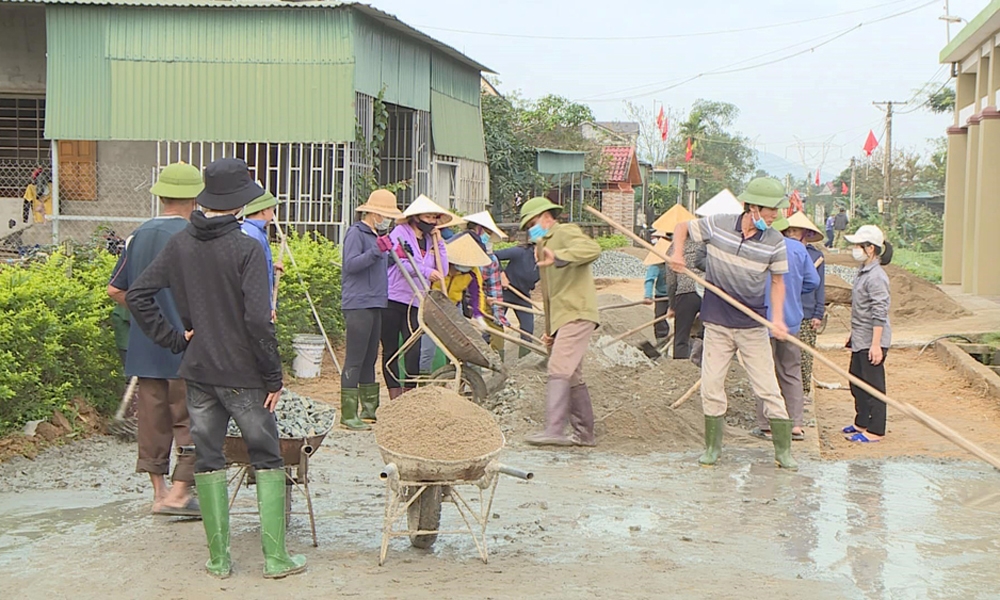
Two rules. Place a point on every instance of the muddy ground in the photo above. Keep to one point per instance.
(910, 517)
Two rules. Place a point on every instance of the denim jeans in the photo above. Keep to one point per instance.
(211, 406)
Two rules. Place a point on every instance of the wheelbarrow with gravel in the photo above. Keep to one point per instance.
(460, 342)
(416, 487)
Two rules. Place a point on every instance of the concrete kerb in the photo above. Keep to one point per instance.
(976, 373)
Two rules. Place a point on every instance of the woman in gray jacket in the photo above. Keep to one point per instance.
(364, 292)
(870, 332)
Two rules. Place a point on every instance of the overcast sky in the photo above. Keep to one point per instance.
(822, 95)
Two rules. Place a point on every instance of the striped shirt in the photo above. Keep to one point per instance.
(740, 266)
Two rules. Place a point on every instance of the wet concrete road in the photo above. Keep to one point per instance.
(590, 525)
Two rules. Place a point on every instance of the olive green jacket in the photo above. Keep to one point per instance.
(568, 286)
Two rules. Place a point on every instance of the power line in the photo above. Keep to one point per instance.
(726, 71)
(659, 37)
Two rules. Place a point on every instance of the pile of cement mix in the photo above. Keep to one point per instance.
(618, 321)
(436, 423)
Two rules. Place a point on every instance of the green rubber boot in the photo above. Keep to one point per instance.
(714, 427)
(271, 505)
(213, 495)
(368, 398)
(781, 435)
(349, 410)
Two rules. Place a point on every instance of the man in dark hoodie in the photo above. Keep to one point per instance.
(218, 278)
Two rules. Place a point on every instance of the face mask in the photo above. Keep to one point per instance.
(759, 222)
(383, 225)
(485, 237)
(462, 269)
(426, 228)
(859, 254)
(536, 232)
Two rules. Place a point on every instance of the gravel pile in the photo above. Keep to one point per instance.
(298, 417)
(618, 265)
(846, 273)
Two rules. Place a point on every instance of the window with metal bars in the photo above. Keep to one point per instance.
(22, 128)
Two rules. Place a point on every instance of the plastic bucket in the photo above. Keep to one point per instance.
(308, 355)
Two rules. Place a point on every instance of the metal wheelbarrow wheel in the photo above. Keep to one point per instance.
(425, 515)
(472, 387)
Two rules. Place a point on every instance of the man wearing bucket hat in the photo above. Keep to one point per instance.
(364, 295)
(813, 303)
(801, 278)
(569, 295)
(160, 404)
(415, 235)
(258, 216)
(743, 254)
(218, 277)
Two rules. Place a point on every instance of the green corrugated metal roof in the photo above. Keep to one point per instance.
(555, 162)
(385, 18)
(159, 74)
(401, 65)
(964, 43)
(457, 128)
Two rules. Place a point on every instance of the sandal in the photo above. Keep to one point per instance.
(190, 509)
(798, 437)
(862, 438)
(764, 434)
(850, 429)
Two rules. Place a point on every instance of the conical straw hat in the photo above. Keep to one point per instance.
(465, 252)
(424, 206)
(485, 220)
(670, 219)
(662, 245)
(800, 220)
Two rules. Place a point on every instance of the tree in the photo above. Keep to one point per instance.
(650, 146)
(513, 175)
(941, 101)
(722, 158)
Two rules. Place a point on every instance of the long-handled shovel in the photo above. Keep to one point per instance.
(908, 409)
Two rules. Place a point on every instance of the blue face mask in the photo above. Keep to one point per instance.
(536, 232)
(485, 237)
(759, 222)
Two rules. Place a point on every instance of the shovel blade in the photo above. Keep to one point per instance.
(649, 350)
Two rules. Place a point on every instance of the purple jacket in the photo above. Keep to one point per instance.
(399, 290)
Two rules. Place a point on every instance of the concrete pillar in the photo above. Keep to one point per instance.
(954, 205)
(969, 212)
(986, 279)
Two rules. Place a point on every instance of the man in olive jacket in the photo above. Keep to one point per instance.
(564, 254)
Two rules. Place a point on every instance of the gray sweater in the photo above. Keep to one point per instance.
(870, 307)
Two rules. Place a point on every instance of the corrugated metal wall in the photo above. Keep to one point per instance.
(456, 119)
(383, 58)
(267, 75)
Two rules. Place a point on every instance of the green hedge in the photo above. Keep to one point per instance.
(317, 259)
(56, 341)
(610, 242)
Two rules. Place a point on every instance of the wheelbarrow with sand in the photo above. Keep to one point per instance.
(417, 486)
(461, 343)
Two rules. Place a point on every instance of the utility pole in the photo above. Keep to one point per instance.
(887, 203)
(852, 187)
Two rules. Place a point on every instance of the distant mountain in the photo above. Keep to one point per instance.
(777, 166)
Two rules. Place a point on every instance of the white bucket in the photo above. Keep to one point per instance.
(308, 355)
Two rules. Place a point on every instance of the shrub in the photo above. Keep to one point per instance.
(610, 242)
(318, 260)
(56, 341)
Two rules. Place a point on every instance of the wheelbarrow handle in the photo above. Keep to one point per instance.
(416, 269)
(406, 276)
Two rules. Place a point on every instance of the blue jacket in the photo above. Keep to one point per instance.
(656, 275)
(801, 278)
(521, 269)
(364, 280)
(257, 229)
(813, 303)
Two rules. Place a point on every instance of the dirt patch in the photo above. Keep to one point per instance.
(639, 253)
(438, 424)
(924, 382)
(80, 420)
(618, 321)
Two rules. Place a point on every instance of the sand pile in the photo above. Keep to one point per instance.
(438, 424)
(915, 299)
(620, 320)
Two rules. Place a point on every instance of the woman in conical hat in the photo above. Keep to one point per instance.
(466, 260)
(415, 235)
(485, 231)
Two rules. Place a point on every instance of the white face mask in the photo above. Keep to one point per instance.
(859, 254)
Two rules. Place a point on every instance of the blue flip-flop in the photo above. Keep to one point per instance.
(849, 429)
(860, 437)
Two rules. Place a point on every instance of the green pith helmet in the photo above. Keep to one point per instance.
(780, 224)
(260, 203)
(764, 191)
(179, 181)
(536, 206)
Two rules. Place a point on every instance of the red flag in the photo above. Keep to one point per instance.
(690, 151)
(817, 176)
(843, 189)
(659, 120)
(871, 143)
(664, 128)
(794, 203)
